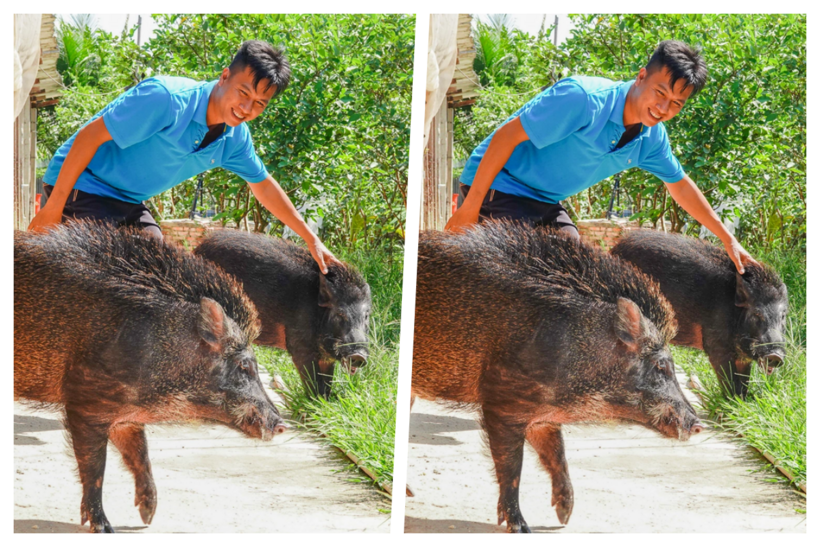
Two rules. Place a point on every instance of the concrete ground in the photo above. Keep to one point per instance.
(625, 478)
(209, 479)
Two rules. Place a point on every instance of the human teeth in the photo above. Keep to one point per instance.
(237, 115)
(654, 116)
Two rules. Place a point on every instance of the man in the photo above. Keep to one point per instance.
(166, 130)
(581, 131)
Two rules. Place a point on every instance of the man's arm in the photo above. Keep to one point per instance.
(85, 145)
(690, 198)
(501, 147)
(275, 200)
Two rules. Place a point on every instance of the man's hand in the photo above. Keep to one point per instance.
(463, 218)
(738, 254)
(501, 147)
(47, 217)
(321, 255)
(689, 197)
(275, 200)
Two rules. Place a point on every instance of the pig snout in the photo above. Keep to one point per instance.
(690, 425)
(273, 427)
(771, 361)
(353, 361)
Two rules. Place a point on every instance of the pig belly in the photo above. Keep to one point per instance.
(690, 336)
(273, 336)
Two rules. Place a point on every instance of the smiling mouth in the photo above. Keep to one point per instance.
(654, 116)
(237, 116)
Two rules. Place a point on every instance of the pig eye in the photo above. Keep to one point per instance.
(342, 316)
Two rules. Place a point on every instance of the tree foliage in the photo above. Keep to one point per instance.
(337, 140)
(742, 139)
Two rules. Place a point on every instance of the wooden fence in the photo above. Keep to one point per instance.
(25, 154)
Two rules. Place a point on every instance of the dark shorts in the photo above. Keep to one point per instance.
(498, 205)
(82, 205)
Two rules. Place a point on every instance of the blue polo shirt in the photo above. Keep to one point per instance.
(573, 128)
(156, 127)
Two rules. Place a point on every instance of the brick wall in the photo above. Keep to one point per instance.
(188, 233)
(606, 233)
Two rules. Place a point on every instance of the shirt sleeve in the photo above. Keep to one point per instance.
(661, 162)
(556, 113)
(138, 113)
(244, 161)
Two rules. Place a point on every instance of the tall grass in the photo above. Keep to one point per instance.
(360, 416)
(773, 416)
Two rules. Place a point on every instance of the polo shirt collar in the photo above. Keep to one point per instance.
(617, 115)
(201, 112)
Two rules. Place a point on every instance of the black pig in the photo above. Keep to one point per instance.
(735, 319)
(119, 330)
(536, 330)
(317, 318)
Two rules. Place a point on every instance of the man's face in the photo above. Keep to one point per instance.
(237, 100)
(654, 99)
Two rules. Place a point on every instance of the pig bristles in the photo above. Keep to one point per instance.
(529, 263)
(716, 258)
(128, 264)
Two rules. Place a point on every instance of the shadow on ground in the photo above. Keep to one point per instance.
(453, 526)
(33, 424)
(428, 428)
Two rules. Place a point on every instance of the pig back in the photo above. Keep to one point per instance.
(696, 277)
(280, 278)
(83, 288)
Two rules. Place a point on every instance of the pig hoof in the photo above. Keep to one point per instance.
(515, 524)
(563, 510)
(147, 509)
(146, 502)
(563, 504)
(519, 527)
(102, 527)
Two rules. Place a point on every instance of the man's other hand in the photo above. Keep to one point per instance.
(461, 220)
(45, 219)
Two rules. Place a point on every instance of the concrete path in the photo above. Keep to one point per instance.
(626, 479)
(209, 479)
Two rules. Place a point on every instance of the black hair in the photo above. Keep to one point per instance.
(266, 63)
(682, 61)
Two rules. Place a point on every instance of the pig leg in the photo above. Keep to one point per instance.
(722, 358)
(317, 375)
(506, 440)
(90, 443)
(129, 438)
(547, 440)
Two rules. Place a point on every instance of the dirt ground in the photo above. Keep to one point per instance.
(209, 479)
(625, 478)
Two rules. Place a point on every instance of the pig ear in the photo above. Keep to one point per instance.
(211, 323)
(743, 297)
(326, 297)
(628, 323)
